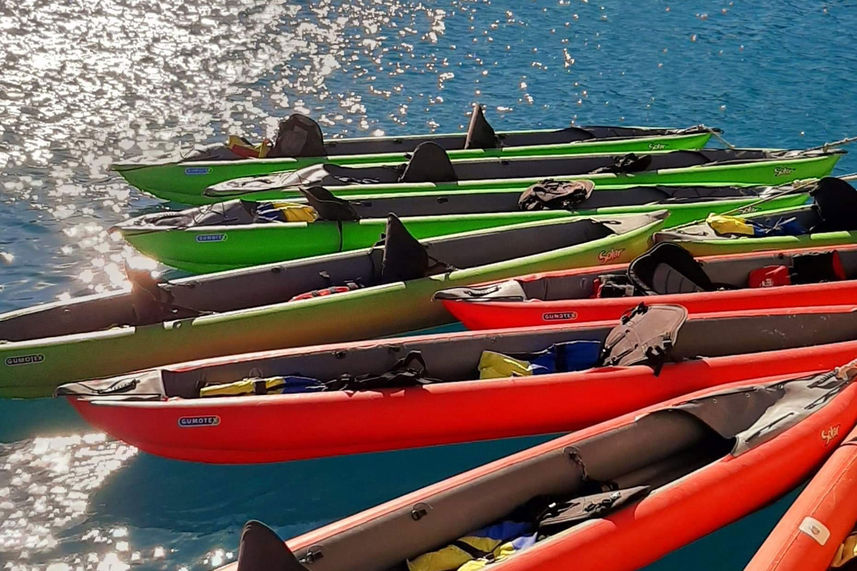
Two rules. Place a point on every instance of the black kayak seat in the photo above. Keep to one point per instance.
(262, 550)
(298, 136)
(835, 204)
(668, 268)
(329, 206)
(480, 134)
(429, 163)
(404, 258)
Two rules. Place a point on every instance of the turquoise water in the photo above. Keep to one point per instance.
(85, 83)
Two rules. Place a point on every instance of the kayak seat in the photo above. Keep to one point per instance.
(668, 268)
(835, 204)
(645, 336)
(429, 163)
(480, 134)
(404, 258)
(816, 267)
(329, 206)
(298, 136)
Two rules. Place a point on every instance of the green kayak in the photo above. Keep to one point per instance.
(362, 294)
(831, 220)
(183, 180)
(431, 169)
(240, 233)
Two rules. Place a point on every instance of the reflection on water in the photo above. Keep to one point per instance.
(45, 489)
(85, 83)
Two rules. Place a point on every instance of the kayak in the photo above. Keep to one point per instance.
(666, 274)
(430, 169)
(190, 175)
(615, 496)
(382, 290)
(240, 233)
(447, 401)
(830, 220)
(809, 535)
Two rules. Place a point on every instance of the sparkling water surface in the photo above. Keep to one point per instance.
(85, 83)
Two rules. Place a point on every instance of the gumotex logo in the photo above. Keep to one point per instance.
(197, 171)
(24, 360)
(211, 238)
(560, 316)
(194, 421)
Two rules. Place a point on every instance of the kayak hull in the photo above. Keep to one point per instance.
(185, 181)
(33, 368)
(771, 172)
(247, 429)
(639, 533)
(809, 534)
(217, 248)
(501, 314)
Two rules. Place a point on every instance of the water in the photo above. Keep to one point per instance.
(84, 83)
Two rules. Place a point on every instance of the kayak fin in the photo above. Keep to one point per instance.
(480, 134)
(262, 550)
(329, 206)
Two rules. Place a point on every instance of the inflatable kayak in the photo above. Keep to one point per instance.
(830, 220)
(299, 143)
(240, 233)
(810, 536)
(665, 274)
(615, 496)
(430, 169)
(361, 294)
(455, 387)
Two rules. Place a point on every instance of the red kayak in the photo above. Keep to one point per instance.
(810, 533)
(161, 411)
(615, 496)
(665, 274)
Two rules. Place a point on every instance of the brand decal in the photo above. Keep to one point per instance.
(211, 237)
(829, 434)
(782, 171)
(24, 360)
(197, 171)
(657, 146)
(611, 255)
(194, 421)
(559, 316)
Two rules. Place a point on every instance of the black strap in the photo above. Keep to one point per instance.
(409, 371)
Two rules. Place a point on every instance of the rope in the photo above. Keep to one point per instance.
(826, 146)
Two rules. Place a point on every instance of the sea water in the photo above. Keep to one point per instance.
(84, 83)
